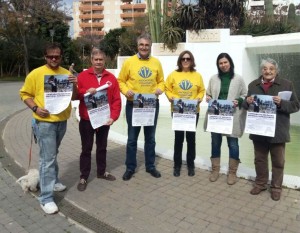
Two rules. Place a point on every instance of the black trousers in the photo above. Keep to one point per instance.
(87, 140)
(191, 147)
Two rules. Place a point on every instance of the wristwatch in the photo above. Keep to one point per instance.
(34, 108)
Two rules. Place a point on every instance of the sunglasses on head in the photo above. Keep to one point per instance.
(51, 57)
(185, 59)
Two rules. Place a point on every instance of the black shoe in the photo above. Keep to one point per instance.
(82, 185)
(191, 171)
(128, 175)
(176, 172)
(154, 173)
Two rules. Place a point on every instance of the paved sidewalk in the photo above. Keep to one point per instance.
(146, 204)
(20, 213)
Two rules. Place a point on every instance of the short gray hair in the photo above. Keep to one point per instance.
(97, 51)
(269, 60)
(145, 36)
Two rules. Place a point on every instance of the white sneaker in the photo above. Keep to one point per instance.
(50, 208)
(59, 187)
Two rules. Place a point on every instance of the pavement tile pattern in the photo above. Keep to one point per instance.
(146, 204)
(20, 212)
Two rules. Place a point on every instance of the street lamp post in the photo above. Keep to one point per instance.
(52, 31)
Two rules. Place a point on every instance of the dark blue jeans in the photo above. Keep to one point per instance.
(216, 142)
(133, 134)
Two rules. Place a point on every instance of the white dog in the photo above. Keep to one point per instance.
(30, 181)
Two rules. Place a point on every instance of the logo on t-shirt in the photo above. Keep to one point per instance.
(185, 85)
(145, 72)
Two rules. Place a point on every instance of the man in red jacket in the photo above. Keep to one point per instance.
(88, 81)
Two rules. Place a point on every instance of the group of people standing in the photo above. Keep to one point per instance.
(183, 83)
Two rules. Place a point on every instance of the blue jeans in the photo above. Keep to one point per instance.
(133, 134)
(49, 135)
(216, 142)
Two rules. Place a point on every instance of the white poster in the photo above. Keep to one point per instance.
(144, 108)
(57, 93)
(220, 116)
(261, 116)
(98, 108)
(184, 115)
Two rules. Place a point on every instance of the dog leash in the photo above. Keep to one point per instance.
(33, 136)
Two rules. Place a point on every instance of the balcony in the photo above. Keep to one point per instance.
(91, 25)
(88, 8)
(133, 15)
(94, 33)
(133, 6)
(127, 24)
(93, 16)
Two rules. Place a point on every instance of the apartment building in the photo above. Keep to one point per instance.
(131, 11)
(96, 17)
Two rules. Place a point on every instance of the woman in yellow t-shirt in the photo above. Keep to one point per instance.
(185, 83)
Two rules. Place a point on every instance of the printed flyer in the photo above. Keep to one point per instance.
(57, 93)
(98, 108)
(184, 115)
(261, 116)
(144, 108)
(220, 116)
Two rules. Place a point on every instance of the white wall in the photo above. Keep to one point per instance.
(206, 48)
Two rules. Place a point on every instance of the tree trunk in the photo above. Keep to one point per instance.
(26, 65)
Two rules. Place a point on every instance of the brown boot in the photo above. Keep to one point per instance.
(233, 166)
(215, 169)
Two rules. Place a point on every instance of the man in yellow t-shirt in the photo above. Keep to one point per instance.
(49, 128)
(143, 74)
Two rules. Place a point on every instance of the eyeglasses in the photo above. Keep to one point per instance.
(185, 59)
(51, 57)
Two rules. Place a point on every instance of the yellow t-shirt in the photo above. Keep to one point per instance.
(185, 85)
(34, 88)
(141, 76)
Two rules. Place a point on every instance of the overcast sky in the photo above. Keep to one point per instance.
(68, 3)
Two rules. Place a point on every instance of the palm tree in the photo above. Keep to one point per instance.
(204, 14)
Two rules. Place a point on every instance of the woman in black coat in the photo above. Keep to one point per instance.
(269, 83)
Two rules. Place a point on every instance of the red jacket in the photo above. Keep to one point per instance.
(88, 79)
